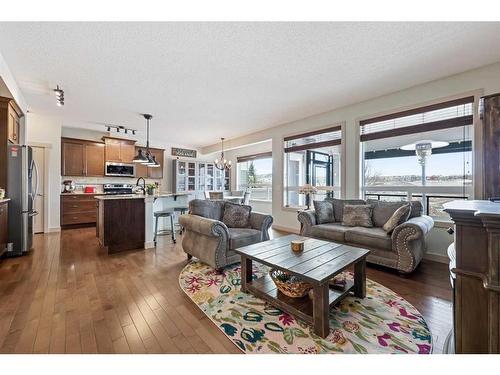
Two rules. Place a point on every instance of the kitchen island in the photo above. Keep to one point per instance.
(126, 222)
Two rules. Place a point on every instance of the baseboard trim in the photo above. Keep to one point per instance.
(437, 258)
(54, 230)
(286, 229)
(149, 245)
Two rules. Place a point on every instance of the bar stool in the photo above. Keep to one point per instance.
(181, 210)
(165, 213)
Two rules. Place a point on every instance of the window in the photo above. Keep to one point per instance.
(255, 174)
(312, 158)
(423, 154)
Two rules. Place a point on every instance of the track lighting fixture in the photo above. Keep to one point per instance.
(119, 128)
(59, 93)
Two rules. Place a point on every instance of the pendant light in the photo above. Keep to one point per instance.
(222, 164)
(146, 158)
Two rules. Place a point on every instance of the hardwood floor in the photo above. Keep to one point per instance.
(69, 296)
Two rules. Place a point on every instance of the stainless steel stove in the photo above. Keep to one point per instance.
(117, 189)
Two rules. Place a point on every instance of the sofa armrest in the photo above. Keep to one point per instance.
(261, 222)
(203, 225)
(408, 241)
(307, 219)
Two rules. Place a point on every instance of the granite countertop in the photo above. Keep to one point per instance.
(139, 196)
(82, 193)
(5, 200)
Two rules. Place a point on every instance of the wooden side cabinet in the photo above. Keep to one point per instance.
(119, 150)
(476, 291)
(78, 209)
(3, 225)
(82, 158)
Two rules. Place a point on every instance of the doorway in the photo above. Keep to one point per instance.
(39, 204)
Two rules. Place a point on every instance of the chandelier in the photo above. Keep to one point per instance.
(222, 164)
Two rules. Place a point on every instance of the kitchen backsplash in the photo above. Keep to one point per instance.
(98, 182)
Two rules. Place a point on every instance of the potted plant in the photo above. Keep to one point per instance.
(150, 189)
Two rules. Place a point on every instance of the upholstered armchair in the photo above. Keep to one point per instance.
(207, 238)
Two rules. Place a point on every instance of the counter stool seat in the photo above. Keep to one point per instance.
(165, 213)
(181, 210)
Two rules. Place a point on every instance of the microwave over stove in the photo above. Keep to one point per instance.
(120, 169)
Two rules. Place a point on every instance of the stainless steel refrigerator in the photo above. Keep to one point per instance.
(22, 187)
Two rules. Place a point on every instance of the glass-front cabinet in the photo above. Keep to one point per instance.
(198, 177)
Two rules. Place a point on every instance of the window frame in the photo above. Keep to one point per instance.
(476, 138)
(252, 157)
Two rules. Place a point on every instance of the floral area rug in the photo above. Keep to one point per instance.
(383, 322)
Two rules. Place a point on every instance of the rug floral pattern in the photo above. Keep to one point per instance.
(383, 322)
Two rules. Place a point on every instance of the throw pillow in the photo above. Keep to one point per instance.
(236, 215)
(338, 206)
(398, 217)
(324, 212)
(359, 215)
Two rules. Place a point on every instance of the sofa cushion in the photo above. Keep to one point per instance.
(338, 206)
(209, 209)
(239, 237)
(369, 237)
(398, 217)
(383, 210)
(332, 231)
(358, 215)
(236, 215)
(324, 212)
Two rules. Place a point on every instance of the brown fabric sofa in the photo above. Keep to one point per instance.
(402, 250)
(207, 238)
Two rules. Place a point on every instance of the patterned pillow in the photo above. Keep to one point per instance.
(359, 215)
(324, 212)
(236, 215)
(398, 217)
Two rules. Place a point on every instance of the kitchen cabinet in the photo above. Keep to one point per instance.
(3, 225)
(94, 159)
(119, 150)
(82, 158)
(10, 132)
(78, 209)
(13, 124)
(143, 171)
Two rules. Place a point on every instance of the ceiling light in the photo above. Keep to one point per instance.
(109, 128)
(59, 93)
(222, 164)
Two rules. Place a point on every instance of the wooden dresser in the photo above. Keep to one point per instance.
(477, 270)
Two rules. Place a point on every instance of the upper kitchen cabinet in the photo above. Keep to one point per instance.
(82, 158)
(144, 171)
(10, 124)
(119, 150)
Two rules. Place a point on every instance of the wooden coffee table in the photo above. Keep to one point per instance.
(318, 263)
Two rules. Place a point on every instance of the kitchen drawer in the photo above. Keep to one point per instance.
(78, 197)
(79, 218)
(75, 206)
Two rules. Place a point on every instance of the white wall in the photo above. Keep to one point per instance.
(46, 131)
(11, 85)
(485, 79)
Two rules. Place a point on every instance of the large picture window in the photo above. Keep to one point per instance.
(312, 158)
(423, 154)
(255, 174)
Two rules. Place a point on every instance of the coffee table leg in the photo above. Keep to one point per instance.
(321, 310)
(360, 278)
(246, 272)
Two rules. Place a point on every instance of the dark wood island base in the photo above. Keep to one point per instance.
(120, 224)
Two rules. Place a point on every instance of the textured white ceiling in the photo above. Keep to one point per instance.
(202, 81)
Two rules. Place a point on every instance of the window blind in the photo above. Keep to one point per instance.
(262, 155)
(454, 113)
(314, 139)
